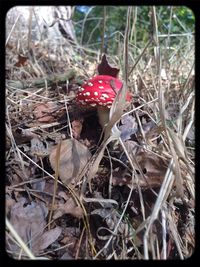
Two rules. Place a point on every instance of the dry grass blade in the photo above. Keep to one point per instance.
(55, 181)
(162, 196)
(97, 158)
(19, 240)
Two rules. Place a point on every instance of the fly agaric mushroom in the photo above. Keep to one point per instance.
(98, 92)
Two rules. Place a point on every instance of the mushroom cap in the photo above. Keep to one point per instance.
(98, 91)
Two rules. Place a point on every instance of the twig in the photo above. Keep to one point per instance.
(68, 118)
(51, 79)
(8, 38)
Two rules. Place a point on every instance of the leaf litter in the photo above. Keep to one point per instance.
(106, 177)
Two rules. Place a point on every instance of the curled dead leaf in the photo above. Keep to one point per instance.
(22, 60)
(69, 207)
(29, 221)
(73, 158)
(128, 127)
(49, 237)
(43, 112)
(153, 168)
(38, 148)
(77, 128)
(150, 167)
(104, 68)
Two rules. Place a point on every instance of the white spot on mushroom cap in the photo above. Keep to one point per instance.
(93, 104)
(96, 93)
(102, 98)
(101, 87)
(81, 89)
(90, 84)
(86, 94)
(105, 95)
(100, 81)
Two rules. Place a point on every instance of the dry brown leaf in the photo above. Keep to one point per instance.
(38, 148)
(23, 135)
(49, 237)
(66, 256)
(69, 207)
(10, 202)
(73, 158)
(71, 238)
(153, 168)
(42, 111)
(150, 167)
(128, 127)
(29, 222)
(77, 128)
(104, 68)
(21, 61)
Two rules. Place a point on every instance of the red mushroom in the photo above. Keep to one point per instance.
(98, 92)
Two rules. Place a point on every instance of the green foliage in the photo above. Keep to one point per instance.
(89, 24)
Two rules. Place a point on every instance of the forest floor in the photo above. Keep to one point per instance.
(71, 194)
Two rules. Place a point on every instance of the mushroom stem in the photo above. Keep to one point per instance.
(103, 114)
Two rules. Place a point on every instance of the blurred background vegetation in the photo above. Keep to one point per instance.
(88, 22)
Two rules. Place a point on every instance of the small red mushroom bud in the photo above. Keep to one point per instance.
(99, 92)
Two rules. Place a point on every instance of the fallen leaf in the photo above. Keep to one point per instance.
(66, 256)
(29, 222)
(21, 61)
(73, 158)
(43, 111)
(69, 207)
(49, 237)
(150, 167)
(71, 238)
(38, 148)
(128, 127)
(77, 128)
(104, 68)
(10, 202)
(23, 135)
(148, 127)
(153, 168)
